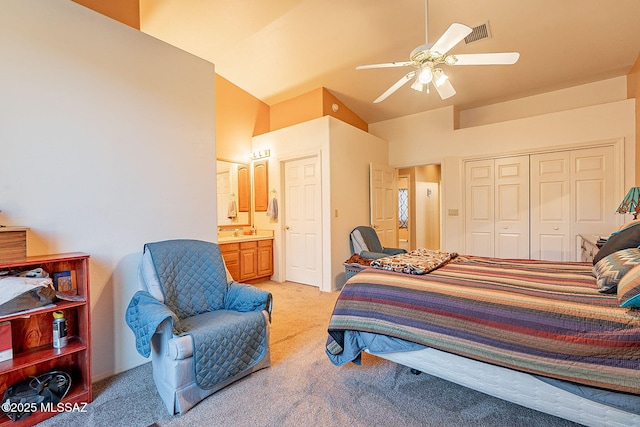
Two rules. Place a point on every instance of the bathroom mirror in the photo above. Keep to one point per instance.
(233, 186)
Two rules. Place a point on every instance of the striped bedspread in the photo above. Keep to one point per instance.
(540, 317)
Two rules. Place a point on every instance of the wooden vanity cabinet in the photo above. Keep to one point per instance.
(231, 255)
(249, 261)
(265, 258)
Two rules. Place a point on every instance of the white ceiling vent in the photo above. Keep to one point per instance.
(480, 32)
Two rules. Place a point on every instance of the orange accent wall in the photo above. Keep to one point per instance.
(633, 91)
(312, 105)
(239, 117)
(343, 113)
(296, 110)
(125, 11)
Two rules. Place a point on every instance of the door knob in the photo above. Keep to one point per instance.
(287, 228)
(556, 228)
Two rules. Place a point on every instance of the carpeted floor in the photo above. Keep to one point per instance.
(303, 388)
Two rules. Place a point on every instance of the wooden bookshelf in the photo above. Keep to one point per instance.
(32, 336)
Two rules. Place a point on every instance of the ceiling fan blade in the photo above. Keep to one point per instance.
(504, 58)
(445, 90)
(454, 35)
(397, 85)
(384, 65)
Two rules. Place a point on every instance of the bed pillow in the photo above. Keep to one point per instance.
(610, 269)
(629, 288)
(628, 237)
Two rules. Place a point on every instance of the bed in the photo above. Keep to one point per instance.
(546, 335)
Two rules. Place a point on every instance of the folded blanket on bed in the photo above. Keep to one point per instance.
(418, 261)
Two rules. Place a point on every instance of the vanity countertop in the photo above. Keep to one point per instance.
(245, 238)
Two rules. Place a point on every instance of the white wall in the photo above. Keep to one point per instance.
(352, 150)
(108, 142)
(600, 92)
(430, 137)
(301, 140)
(345, 153)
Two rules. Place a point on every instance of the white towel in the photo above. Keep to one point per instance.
(232, 212)
(272, 208)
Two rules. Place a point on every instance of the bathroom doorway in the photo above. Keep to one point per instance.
(419, 202)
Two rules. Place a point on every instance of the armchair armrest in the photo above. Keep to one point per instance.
(167, 343)
(144, 315)
(243, 297)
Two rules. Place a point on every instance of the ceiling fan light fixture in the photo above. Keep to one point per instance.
(425, 75)
(417, 85)
(440, 77)
(450, 60)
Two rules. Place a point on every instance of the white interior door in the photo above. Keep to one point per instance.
(572, 193)
(551, 206)
(303, 221)
(511, 180)
(383, 205)
(479, 207)
(593, 191)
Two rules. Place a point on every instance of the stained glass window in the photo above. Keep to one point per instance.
(403, 208)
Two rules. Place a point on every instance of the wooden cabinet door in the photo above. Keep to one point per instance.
(231, 255)
(244, 189)
(265, 258)
(248, 260)
(261, 185)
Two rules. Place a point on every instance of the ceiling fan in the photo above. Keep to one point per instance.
(427, 59)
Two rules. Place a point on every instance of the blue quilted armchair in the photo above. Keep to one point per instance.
(202, 330)
(364, 241)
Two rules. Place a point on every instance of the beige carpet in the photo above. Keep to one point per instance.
(303, 388)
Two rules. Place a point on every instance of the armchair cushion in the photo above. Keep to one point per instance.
(226, 343)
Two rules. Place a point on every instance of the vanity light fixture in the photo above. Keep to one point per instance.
(260, 154)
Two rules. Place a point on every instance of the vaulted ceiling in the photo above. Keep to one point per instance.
(278, 49)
